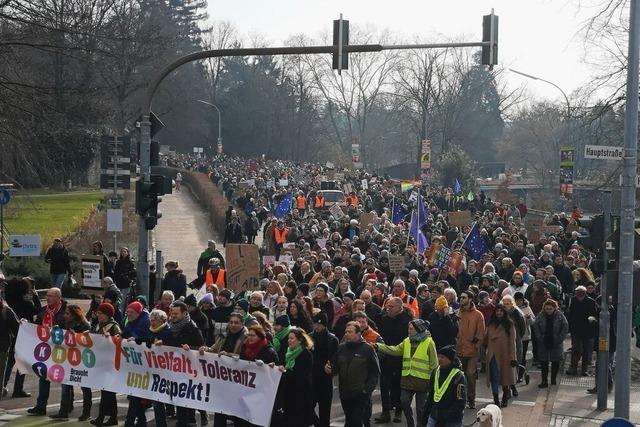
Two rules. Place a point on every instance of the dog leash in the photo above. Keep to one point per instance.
(469, 425)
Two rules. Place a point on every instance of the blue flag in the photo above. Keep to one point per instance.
(475, 243)
(415, 231)
(422, 211)
(457, 188)
(284, 207)
(398, 212)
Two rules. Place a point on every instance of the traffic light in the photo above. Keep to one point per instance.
(148, 197)
(490, 36)
(340, 40)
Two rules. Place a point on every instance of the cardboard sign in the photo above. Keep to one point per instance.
(243, 267)
(268, 260)
(459, 219)
(348, 188)
(396, 263)
(366, 219)
(336, 211)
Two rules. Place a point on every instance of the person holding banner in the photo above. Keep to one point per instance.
(49, 316)
(76, 322)
(295, 402)
(108, 327)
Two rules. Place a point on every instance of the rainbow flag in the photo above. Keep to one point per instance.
(408, 185)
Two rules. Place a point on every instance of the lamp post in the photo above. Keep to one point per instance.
(219, 124)
(529, 76)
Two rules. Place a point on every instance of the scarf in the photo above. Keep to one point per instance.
(159, 328)
(251, 350)
(279, 336)
(291, 356)
(419, 337)
(177, 327)
(49, 319)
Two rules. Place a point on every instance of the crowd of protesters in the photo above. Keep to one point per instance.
(330, 304)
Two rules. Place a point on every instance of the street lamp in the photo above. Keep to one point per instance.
(219, 123)
(529, 76)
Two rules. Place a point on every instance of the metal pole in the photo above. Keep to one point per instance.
(1, 231)
(627, 218)
(145, 175)
(159, 270)
(114, 198)
(602, 379)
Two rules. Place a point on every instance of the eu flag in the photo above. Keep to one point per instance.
(398, 212)
(415, 231)
(422, 211)
(284, 207)
(475, 243)
(457, 188)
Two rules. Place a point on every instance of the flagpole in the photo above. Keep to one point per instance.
(409, 231)
(393, 209)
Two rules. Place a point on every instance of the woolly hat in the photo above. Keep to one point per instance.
(283, 321)
(482, 295)
(243, 304)
(321, 318)
(434, 271)
(349, 295)
(324, 287)
(206, 299)
(422, 287)
(106, 309)
(191, 300)
(448, 351)
(441, 303)
(142, 300)
(135, 306)
(419, 325)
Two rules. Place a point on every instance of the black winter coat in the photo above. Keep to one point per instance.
(578, 314)
(444, 329)
(394, 329)
(189, 335)
(325, 345)
(58, 260)
(450, 409)
(9, 325)
(294, 394)
(24, 309)
(123, 272)
(176, 282)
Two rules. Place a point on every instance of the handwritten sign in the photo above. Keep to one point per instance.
(366, 219)
(336, 211)
(243, 267)
(396, 263)
(92, 269)
(459, 219)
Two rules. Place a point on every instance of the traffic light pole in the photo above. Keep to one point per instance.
(627, 219)
(602, 380)
(145, 124)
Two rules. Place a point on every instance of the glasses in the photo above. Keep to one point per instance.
(252, 335)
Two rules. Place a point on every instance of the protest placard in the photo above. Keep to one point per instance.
(165, 374)
(242, 267)
(366, 219)
(92, 271)
(396, 263)
(459, 219)
(336, 211)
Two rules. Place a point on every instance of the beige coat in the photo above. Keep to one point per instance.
(502, 346)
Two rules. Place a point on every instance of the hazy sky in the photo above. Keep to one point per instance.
(539, 37)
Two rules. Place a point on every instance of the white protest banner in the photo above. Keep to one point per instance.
(283, 183)
(160, 373)
(365, 184)
(336, 211)
(24, 245)
(251, 182)
(271, 183)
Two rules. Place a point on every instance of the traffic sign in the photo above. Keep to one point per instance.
(617, 422)
(5, 196)
(603, 152)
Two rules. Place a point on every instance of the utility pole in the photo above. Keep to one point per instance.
(627, 219)
(602, 380)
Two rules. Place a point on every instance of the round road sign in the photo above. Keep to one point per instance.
(5, 196)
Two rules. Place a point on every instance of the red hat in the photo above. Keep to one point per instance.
(135, 306)
(106, 309)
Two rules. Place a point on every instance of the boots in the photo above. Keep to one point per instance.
(86, 414)
(496, 399)
(555, 367)
(506, 394)
(385, 417)
(98, 421)
(514, 391)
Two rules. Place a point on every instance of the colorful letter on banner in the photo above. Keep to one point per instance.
(442, 257)
(425, 159)
(160, 373)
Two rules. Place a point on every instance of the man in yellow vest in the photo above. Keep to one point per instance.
(419, 359)
(216, 275)
(448, 394)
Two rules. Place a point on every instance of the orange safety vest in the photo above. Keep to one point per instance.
(319, 202)
(301, 202)
(280, 235)
(352, 200)
(219, 280)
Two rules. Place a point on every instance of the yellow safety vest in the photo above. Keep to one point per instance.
(417, 365)
(440, 390)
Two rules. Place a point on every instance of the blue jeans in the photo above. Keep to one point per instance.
(57, 280)
(494, 376)
(433, 423)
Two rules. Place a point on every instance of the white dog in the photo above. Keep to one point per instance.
(489, 416)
